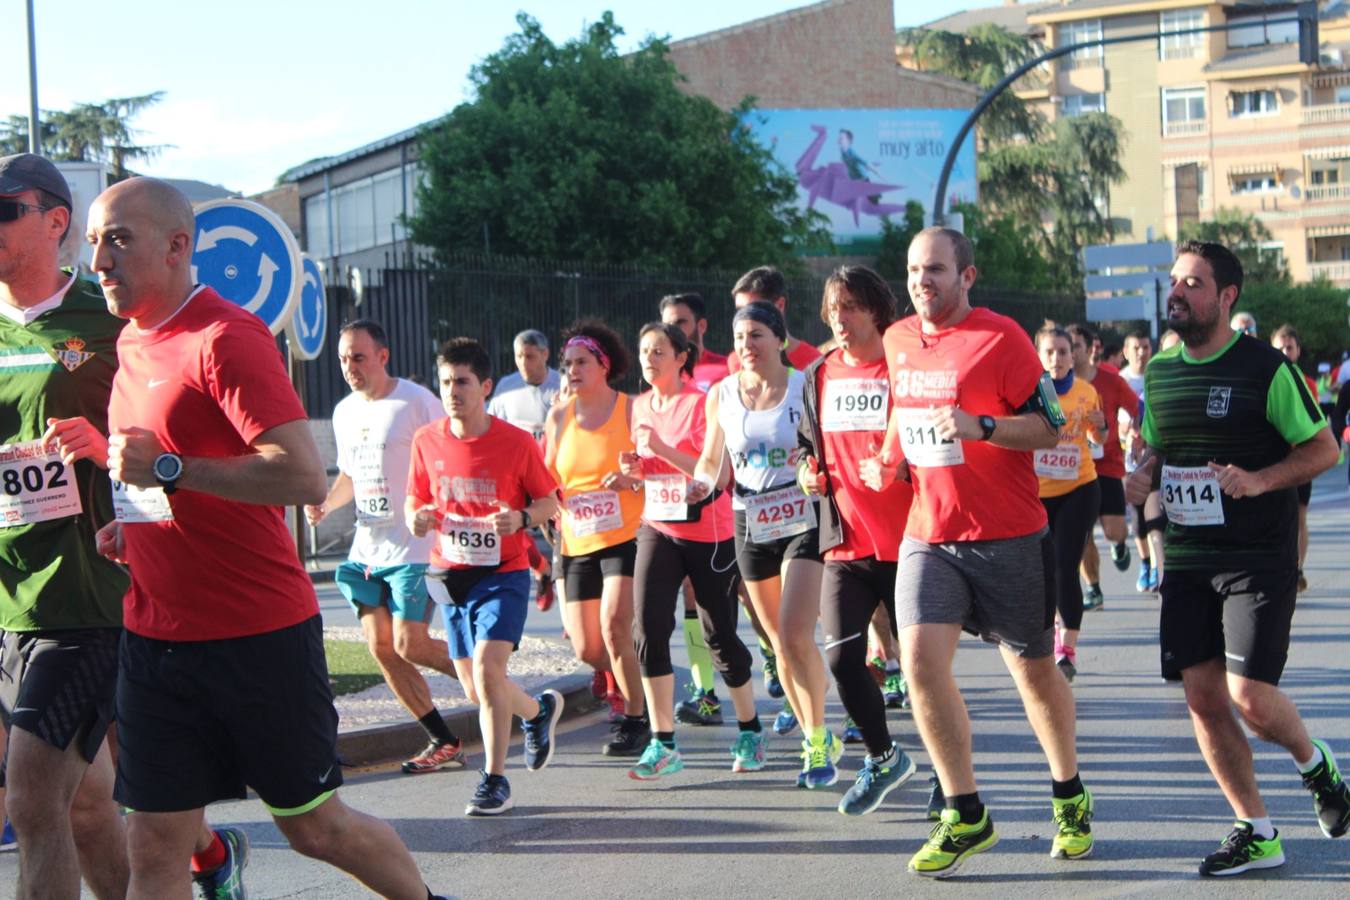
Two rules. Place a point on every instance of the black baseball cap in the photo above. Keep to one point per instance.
(28, 171)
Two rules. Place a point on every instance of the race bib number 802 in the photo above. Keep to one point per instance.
(35, 485)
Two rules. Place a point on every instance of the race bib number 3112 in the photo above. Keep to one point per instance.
(923, 447)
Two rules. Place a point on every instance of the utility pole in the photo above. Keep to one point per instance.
(34, 132)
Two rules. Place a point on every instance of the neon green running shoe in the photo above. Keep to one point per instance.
(1073, 821)
(950, 843)
(1241, 851)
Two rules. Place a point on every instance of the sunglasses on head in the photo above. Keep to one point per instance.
(13, 209)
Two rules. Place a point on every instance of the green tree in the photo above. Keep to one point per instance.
(1317, 309)
(1244, 234)
(893, 254)
(1007, 251)
(88, 132)
(575, 151)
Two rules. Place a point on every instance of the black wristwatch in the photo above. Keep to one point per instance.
(168, 469)
(987, 425)
(524, 519)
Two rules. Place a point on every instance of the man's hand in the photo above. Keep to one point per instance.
(951, 423)
(630, 464)
(131, 456)
(424, 520)
(810, 479)
(875, 472)
(77, 439)
(507, 521)
(314, 515)
(1236, 482)
(110, 544)
(1139, 483)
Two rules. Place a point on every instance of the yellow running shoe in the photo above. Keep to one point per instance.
(1073, 821)
(950, 843)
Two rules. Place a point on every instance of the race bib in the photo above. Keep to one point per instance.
(371, 489)
(665, 498)
(781, 513)
(854, 404)
(466, 541)
(593, 512)
(1060, 463)
(923, 447)
(136, 504)
(1191, 495)
(35, 485)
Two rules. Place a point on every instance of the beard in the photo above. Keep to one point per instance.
(1194, 329)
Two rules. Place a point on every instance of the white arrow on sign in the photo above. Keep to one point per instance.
(308, 329)
(212, 236)
(266, 269)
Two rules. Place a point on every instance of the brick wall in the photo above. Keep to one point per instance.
(836, 54)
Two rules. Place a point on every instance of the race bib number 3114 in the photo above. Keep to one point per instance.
(35, 485)
(1191, 495)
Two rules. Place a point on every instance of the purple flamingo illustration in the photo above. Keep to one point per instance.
(833, 183)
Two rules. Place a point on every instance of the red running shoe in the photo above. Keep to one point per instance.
(544, 599)
(617, 706)
(435, 757)
(599, 686)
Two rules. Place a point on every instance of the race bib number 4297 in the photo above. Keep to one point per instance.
(35, 485)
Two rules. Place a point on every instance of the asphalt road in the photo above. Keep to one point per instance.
(581, 828)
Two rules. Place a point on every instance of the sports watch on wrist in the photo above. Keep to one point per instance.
(168, 469)
(524, 519)
(987, 425)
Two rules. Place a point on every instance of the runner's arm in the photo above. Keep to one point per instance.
(339, 495)
(285, 468)
(710, 467)
(1304, 463)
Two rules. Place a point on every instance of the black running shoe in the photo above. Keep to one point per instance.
(631, 736)
(1331, 797)
(1243, 850)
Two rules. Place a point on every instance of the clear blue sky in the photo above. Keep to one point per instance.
(253, 87)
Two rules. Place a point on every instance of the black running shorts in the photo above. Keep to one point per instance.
(1113, 496)
(1242, 617)
(584, 576)
(58, 685)
(197, 721)
(760, 562)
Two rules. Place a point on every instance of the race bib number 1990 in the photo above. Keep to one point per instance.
(35, 485)
(854, 404)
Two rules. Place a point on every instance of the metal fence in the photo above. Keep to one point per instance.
(493, 298)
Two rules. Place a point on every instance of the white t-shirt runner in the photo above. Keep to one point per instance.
(374, 439)
(525, 405)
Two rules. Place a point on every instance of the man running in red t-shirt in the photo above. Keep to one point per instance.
(970, 401)
(222, 681)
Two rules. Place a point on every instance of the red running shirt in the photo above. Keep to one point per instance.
(208, 382)
(683, 425)
(873, 522)
(710, 369)
(987, 366)
(467, 476)
(1116, 394)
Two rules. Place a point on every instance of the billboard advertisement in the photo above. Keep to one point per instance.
(857, 165)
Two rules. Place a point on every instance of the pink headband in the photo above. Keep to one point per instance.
(590, 344)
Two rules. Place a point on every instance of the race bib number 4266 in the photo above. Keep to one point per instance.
(35, 485)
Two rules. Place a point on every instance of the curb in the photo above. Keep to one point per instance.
(380, 744)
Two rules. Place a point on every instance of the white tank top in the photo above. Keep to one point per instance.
(762, 443)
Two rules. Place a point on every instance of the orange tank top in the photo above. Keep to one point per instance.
(595, 517)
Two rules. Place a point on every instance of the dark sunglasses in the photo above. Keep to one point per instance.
(13, 209)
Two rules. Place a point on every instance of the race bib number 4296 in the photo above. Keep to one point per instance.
(35, 485)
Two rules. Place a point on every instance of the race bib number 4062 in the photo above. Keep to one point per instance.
(593, 512)
(35, 485)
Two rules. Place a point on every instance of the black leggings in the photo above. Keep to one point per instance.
(849, 593)
(662, 564)
(1071, 518)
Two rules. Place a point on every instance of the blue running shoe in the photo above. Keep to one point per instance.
(1145, 577)
(749, 751)
(771, 682)
(818, 759)
(657, 760)
(7, 839)
(785, 722)
(492, 798)
(539, 730)
(876, 779)
(1154, 579)
(226, 882)
(852, 733)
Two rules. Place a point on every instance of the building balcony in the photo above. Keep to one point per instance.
(1185, 129)
(1326, 113)
(1167, 54)
(1338, 272)
(1317, 192)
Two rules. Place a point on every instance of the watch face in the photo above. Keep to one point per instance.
(168, 467)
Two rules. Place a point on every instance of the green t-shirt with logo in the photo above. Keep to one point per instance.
(1245, 406)
(60, 365)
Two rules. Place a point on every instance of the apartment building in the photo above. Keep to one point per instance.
(1226, 119)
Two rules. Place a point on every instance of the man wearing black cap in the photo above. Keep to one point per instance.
(60, 601)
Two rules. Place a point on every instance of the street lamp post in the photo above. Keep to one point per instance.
(34, 135)
(1306, 17)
